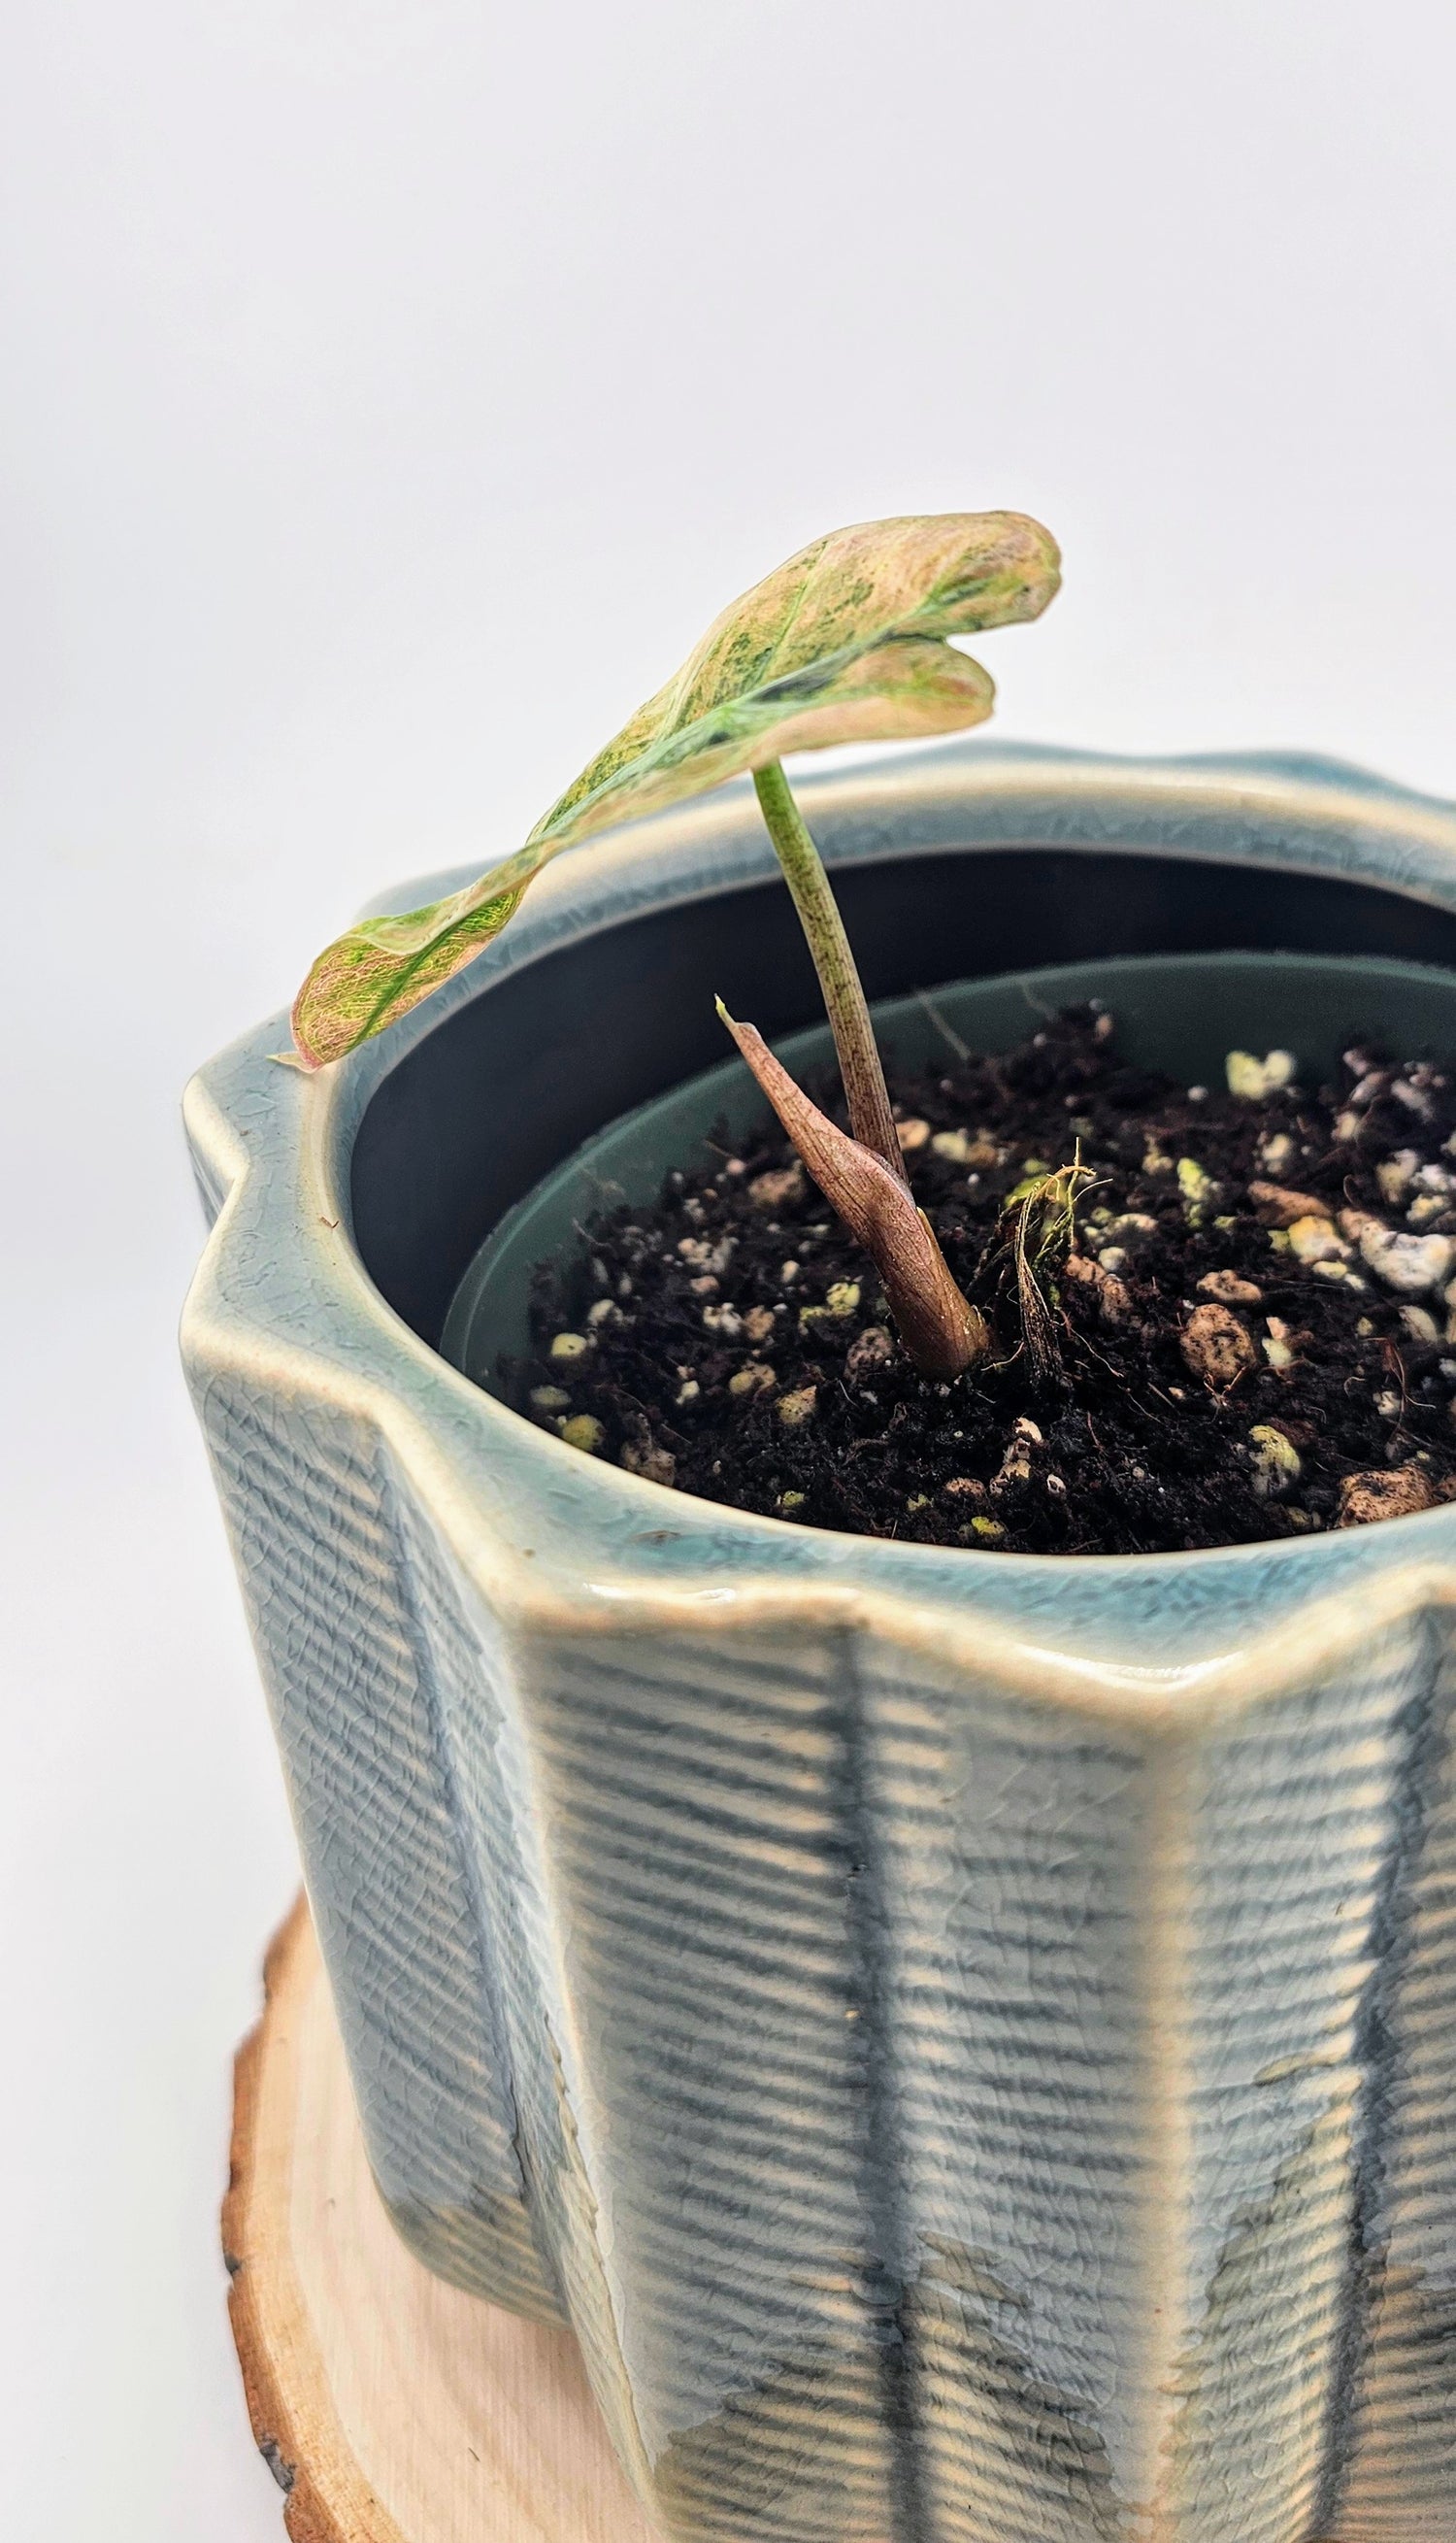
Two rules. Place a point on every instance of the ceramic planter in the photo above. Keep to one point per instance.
(966, 2040)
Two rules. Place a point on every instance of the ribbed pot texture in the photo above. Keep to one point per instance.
(968, 2041)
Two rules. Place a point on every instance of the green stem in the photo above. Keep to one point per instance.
(844, 999)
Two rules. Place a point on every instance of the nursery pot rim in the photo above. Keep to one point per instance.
(274, 1150)
(709, 1088)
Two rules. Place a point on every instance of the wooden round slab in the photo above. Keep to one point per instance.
(391, 2408)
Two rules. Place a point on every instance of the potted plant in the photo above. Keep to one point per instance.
(956, 2030)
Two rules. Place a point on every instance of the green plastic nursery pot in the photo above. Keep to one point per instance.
(1181, 1012)
(966, 2040)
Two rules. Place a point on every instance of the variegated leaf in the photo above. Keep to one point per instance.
(845, 643)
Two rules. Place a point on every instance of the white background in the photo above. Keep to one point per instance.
(391, 392)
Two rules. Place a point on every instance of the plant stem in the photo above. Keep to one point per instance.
(844, 999)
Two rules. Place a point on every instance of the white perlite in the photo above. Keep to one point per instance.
(1409, 1265)
(1396, 1174)
(1274, 1459)
(1255, 1079)
(1276, 1152)
(1314, 1240)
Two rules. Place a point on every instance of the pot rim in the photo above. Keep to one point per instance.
(283, 1299)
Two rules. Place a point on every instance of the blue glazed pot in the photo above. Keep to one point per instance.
(966, 2040)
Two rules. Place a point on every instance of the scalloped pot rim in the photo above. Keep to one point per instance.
(544, 1533)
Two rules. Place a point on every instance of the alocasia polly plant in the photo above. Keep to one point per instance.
(847, 642)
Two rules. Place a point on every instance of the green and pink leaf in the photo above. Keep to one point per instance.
(846, 642)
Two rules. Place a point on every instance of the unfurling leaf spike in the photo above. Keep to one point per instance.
(939, 1329)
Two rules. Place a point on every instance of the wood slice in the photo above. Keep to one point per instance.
(391, 2408)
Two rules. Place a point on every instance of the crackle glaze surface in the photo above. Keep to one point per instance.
(969, 2042)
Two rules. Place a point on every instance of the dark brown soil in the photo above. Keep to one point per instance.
(1212, 1381)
